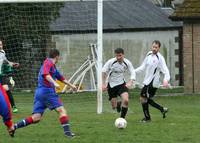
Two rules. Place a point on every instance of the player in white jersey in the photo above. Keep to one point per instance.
(6, 79)
(153, 64)
(114, 80)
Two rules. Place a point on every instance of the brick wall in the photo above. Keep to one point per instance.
(196, 39)
(191, 57)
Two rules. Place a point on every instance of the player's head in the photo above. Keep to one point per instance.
(119, 54)
(1, 44)
(155, 46)
(54, 54)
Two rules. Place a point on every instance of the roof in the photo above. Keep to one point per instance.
(156, 2)
(190, 9)
(118, 15)
(168, 10)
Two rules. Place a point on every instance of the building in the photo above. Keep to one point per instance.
(167, 3)
(130, 24)
(189, 13)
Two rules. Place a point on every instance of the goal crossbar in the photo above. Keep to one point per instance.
(40, 1)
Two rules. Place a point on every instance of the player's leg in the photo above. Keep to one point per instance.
(116, 104)
(10, 96)
(8, 122)
(123, 93)
(152, 92)
(38, 110)
(113, 98)
(124, 106)
(64, 121)
(55, 103)
(144, 103)
(34, 118)
(113, 102)
(162, 109)
(5, 112)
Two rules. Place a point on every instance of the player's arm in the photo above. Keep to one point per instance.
(65, 81)
(165, 71)
(12, 64)
(142, 67)
(105, 71)
(46, 73)
(69, 84)
(132, 75)
(104, 84)
(51, 80)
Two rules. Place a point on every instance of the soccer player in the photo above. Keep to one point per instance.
(45, 95)
(8, 84)
(114, 70)
(153, 64)
(5, 76)
(5, 111)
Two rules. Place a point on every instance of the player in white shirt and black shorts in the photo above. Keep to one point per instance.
(153, 64)
(114, 80)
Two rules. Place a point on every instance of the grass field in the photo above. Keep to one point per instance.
(181, 125)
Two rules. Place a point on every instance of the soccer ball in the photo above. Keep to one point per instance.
(120, 123)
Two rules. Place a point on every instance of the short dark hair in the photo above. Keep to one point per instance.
(53, 53)
(157, 42)
(119, 51)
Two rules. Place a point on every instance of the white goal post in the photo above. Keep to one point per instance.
(99, 56)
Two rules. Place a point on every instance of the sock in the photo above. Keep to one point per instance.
(145, 108)
(24, 123)
(156, 105)
(11, 99)
(8, 123)
(124, 112)
(64, 120)
(119, 106)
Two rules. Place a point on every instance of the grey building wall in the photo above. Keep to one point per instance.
(75, 49)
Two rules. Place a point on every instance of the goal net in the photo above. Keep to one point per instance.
(29, 30)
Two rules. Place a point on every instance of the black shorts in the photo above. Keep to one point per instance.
(6, 81)
(117, 90)
(148, 91)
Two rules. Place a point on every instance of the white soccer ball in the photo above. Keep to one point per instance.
(120, 123)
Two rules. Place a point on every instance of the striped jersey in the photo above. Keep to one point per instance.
(116, 70)
(153, 65)
(48, 68)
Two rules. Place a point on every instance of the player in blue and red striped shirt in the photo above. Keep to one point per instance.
(45, 94)
(5, 111)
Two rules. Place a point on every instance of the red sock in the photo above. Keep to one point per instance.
(29, 120)
(8, 123)
(64, 119)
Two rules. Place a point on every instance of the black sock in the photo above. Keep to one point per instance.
(124, 112)
(119, 108)
(11, 99)
(145, 108)
(156, 105)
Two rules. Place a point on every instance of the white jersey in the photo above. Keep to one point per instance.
(116, 70)
(154, 64)
(2, 58)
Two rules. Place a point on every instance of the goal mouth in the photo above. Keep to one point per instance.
(30, 28)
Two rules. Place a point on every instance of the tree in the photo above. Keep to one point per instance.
(24, 28)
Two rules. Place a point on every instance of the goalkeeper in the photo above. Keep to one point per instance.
(8, 84)
(6, 80)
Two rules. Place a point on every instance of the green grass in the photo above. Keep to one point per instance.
(180, 126)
